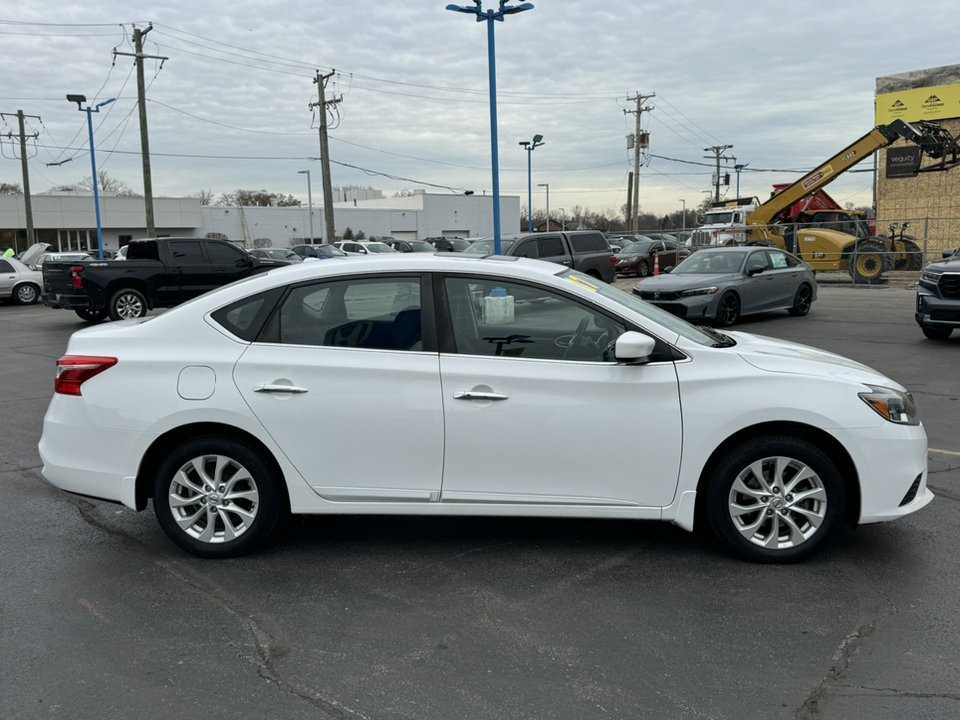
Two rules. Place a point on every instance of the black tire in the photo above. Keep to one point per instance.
(790, 522)
(91, 316)
(914, 256)
(728, 310)
(643, 268)
(26, 294)
(127, 304)
(867, 262)
(802, 301)
(936, 333)
(234, 479)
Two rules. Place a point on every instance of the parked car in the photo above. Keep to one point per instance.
(721, 284)
(19, 283)
(211, 409)
(355, 247)
(642, 256)
(406, 246)
(449, 244)
(583, 250)
(281, 255)
(938, 297)
(320, 252)
(158, 272)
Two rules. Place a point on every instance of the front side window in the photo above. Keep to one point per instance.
(375, 313)
(221, 254)
(506, 319)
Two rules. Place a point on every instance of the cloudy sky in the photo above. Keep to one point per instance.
(786, 84)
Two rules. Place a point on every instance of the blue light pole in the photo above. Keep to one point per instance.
(738, 168)
(490, 16)
(78, 99)
(530, 147)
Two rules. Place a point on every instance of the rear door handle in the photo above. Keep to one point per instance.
(470, 395)
(279, 389)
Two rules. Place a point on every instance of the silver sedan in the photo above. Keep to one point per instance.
(721, 284)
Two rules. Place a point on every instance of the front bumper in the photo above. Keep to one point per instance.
(697, 307)
(932, 311)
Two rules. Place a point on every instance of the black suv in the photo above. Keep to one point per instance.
(938, 297)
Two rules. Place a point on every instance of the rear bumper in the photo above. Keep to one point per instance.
(70, 302)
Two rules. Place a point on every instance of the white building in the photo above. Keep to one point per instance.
(69, 221)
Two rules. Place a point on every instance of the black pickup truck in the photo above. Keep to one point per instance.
(160, 272)
(584, 250)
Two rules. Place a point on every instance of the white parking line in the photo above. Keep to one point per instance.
(944, 452)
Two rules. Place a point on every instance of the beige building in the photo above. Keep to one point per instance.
(928, 200)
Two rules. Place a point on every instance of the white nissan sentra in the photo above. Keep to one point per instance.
(501, 381)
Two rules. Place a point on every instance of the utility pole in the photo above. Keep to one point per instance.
(717, 150)
(144, 137)
(321, 105)
(629, 218)
(27, 202)
(639, 99)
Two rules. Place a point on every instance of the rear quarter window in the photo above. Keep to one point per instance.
(245, 318)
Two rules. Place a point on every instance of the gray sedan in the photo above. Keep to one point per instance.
(721, 284)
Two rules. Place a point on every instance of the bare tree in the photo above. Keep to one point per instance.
(107, 183)
(10, 189)
(204, 196)
(258, 198)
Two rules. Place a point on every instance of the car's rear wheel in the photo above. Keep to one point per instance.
(802, 301)
(127, 304)
(937, 333)
(26, 294)
(775, 499)
(216, 497)
(728, 311)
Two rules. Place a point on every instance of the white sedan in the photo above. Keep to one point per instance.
(502, 381)
(19, 283)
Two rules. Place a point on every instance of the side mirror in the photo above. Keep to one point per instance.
(633, 348)
(950, 253)
(755, 270)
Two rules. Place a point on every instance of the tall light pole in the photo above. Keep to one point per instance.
(683, 220)
(530, 147)
(309, 200)
(738, 168)
(563, 221)
(547, 186)
(78, 99)
(490, 16)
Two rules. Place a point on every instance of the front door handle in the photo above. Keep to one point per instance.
(471, 395)
(279, 389)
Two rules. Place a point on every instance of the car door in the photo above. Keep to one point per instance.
(759, 293)
(229, 263)
(554, 249)
(529, 418)
(786, 273)
(8, 276)
(341, 380)
(188, 273)
(668, 256)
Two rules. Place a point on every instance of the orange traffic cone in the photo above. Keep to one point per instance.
(656, 264)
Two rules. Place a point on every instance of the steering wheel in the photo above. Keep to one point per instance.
(577, 335)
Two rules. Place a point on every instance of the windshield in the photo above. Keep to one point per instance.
(485, 247)
(711, 262)
(724, 218)
(635, 304)
(330, 250)
(459, 245)
(641, 248)
(422, 246)
(379, 248)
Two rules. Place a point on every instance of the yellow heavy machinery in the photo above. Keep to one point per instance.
(864, 257)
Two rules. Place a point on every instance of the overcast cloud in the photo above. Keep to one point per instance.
(786, 84)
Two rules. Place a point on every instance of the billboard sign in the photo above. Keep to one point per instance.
(903, 161)
(929, 103)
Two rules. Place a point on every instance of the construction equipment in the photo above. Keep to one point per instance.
(865, 257)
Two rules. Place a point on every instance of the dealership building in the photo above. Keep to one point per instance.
(909, 188)
(67, 220)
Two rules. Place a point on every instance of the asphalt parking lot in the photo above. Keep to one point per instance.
(432, 618)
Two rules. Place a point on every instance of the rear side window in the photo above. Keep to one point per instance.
(246, 317)
(551, 246)
(5, 267)
(186, 252)
(583, 243)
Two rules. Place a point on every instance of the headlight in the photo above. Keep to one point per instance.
(930, 277)
(700, 291)
(893, 405)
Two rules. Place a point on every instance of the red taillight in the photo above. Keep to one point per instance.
(613, 259)
(75, 273)
(74, 370)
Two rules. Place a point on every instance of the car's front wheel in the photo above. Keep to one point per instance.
(643, 268)
(216, 497)
(775, 499)
(728, 310)
(937, 333)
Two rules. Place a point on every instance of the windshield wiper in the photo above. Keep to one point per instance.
(722, 339)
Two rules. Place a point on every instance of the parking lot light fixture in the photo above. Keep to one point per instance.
(79, 100)
(490, 16)
(530, 147)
